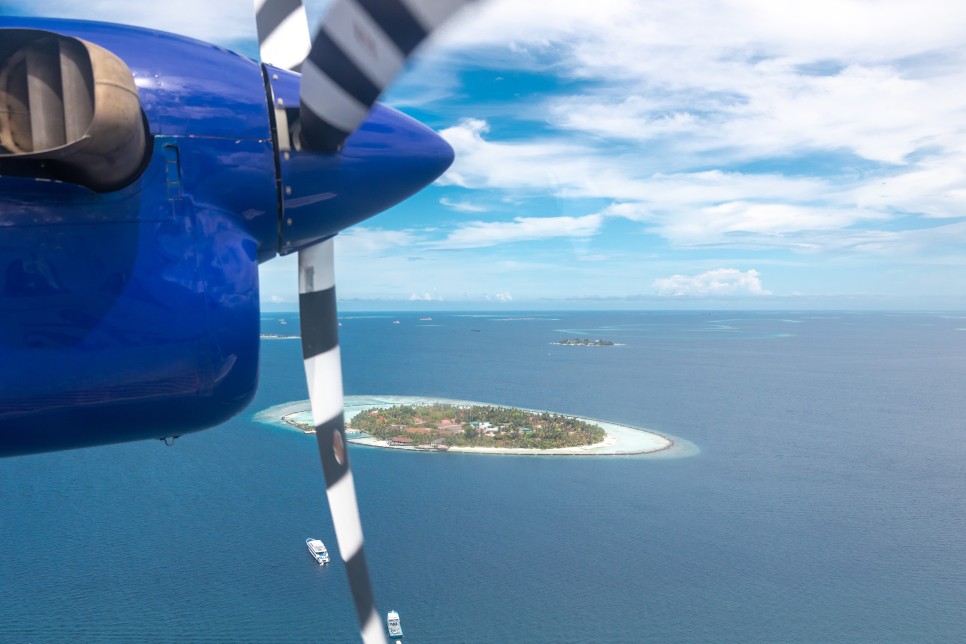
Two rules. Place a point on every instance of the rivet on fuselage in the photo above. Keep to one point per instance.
(289, 221)
(288, 190)
(281, 102)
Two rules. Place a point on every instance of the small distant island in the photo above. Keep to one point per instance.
(581, 342)
(278, 336)
(440, 426)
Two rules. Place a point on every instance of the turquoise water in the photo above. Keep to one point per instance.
(827, 501)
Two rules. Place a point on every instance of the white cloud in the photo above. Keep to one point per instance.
(685, 87)
(778, 111)
(217, 21)
(478, 234)
(687, 208)
(573, 170)
(521, 165)
(718, 223)
(935, 188)
(829, 27)
(277, 299)
(425, 297)
(359, 240)
(462, 206)
(706, 207)
(718, 282)
(498, 297)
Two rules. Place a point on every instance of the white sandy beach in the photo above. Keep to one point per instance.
(619, 439)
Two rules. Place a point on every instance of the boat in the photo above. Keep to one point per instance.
(395, 630)
(317, 550)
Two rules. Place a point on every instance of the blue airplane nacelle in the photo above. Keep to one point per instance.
(129, 304)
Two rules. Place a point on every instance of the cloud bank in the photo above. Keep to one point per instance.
(716, 283)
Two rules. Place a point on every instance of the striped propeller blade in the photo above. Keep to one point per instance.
(323, 373)
(360, 47)
(283, 33)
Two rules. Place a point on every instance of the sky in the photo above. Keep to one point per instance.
(619, 154)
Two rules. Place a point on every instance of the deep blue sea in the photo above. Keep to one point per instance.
(824, 501)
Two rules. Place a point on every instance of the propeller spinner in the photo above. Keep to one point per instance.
(360, 47)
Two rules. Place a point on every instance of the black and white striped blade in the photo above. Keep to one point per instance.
(359, 49)
(323, 373)
(283, 33)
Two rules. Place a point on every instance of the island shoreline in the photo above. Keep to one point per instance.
(619, 440)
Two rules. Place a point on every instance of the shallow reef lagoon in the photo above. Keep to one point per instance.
(824, 499)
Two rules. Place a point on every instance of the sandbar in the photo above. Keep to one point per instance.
(618, 440)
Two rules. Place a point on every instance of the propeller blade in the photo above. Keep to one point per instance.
(283, 40)
(360, 47)
(283, 33)
(323, 373)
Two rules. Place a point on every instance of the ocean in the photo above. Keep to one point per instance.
(821, 496)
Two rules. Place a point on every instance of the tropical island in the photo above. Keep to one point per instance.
(579, 342)
(441, 426)
(609, 438)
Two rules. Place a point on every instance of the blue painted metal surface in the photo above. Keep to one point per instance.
(134, 314)
(187, 87)
(389, 158)
(142, 325)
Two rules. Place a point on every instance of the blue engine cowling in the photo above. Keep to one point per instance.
(133, 313)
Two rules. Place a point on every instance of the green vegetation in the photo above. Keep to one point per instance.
(308, 428)
(476, 426)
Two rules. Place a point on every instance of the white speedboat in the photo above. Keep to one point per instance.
(317, 550)
(395, 630)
